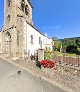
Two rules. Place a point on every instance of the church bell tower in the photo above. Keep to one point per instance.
(14, 8)
(16, 12)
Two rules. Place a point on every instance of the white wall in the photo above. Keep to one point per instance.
(49, 43)
(36, 35)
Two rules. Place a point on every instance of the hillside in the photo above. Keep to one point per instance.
(71, 44)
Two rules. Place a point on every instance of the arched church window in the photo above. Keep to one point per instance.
(22, 7)
(22, 0)
(31, 39)
(8, 18)
(9, 3)
(26, 10)
(8, 34)
(39, 40)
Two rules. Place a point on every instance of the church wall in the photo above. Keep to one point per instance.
(20, 35)
(20, 27)
(36, 45)
(1, 42)
(9, 14)
(24, 53)
(10, 42)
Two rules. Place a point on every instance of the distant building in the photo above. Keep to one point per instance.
(19, 36)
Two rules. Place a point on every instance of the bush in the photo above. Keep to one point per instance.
(47, 55)
(72, 49)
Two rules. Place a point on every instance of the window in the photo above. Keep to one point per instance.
(22, 7)
(26, 10)
(39, 40)
(22, 0)
(8, 18)
(31, 39)
(9, 3)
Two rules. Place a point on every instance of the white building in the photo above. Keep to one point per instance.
(36, 40)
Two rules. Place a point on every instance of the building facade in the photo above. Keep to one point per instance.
(19, 36)
(0, 42)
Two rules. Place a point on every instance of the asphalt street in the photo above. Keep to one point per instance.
(12, 81)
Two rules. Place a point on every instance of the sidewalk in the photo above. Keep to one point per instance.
(57, 77)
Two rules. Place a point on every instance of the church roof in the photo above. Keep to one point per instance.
(30, 3)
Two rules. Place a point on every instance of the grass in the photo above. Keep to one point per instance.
(60, 54)
(71, 55)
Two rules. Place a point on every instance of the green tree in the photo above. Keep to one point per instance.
(70, 41)
(57, 45)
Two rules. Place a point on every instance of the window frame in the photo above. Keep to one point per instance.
(26, 10)
(8, 3)
(39, 40)
(31, 39)
(8, 18)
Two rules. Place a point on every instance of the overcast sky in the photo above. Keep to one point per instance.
(57, 18)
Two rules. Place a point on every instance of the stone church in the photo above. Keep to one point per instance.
(19, 37)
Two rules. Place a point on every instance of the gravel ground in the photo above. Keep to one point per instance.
(59, 76)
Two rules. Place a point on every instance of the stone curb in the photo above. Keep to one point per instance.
(44, 78)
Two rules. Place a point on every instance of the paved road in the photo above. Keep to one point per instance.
(11, 81)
